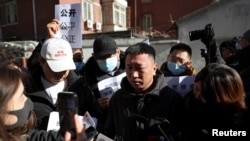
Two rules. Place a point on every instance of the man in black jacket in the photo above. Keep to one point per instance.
(143, 101)
(106, 63)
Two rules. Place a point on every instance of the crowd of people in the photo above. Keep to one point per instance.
(143, 107)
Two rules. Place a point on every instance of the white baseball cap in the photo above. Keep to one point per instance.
(58, 54)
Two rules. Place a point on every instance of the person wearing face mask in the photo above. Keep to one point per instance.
(17, 119)
(179, 61)
(106, 61)
(78, 60)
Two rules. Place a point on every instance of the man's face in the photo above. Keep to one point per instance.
(77, 55)
(179, 57)
(140, 69)
(226, 53)
(53, 77)
(243, 42)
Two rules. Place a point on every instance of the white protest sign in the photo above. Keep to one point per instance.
(109, 86)
(181, 84)
(86, 120)
(70, 17)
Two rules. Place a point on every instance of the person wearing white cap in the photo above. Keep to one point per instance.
(58, 54)
(56, 73)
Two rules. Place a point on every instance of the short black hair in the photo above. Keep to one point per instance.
(11, 54)
(182, 47)
(141, 48)
(229, 44)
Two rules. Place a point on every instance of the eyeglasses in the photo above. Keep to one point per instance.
(178, 60)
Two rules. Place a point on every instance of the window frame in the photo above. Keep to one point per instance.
(146, 21)
(88, 11)
(9, 13)
(119, 14)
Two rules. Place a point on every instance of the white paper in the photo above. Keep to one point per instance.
(181, 84)
(102, 137)
(70, 17)
(87, 120)
(54, 123)
(109, 86)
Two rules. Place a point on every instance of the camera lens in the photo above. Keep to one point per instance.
(195, 35)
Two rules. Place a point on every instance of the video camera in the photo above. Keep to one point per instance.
(206, 34)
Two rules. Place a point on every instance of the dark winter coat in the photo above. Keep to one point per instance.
(127, 109)
(42, 135)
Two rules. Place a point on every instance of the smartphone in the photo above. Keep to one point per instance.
(67, 105)
(91, 133)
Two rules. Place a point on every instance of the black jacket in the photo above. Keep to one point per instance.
(94, 74)
(127, 109)
(43, 104)
(42, 135)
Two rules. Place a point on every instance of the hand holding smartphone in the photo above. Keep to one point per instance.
(67, 104)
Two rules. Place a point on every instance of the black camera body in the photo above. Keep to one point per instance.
(205, 34)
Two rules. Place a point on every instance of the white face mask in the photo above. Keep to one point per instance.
(108, 64)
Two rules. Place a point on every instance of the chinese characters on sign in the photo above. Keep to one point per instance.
(69, 16)
(182, 84)
(109, 86)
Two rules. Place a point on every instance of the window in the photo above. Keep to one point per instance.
(146, 21)
(8, 13)
(88, 10)
(119, 15)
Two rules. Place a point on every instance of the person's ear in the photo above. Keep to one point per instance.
(93, 55)
(189, 63)
(155, 67)
(118, 51)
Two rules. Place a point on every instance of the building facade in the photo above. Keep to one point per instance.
(156, 18)
(27, 20)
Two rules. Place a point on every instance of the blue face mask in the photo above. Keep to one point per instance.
(108, 64)
(79, 66)
(175, 68)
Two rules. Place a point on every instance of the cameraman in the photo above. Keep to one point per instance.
(212, 52)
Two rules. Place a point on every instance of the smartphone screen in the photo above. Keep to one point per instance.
(67, 105)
